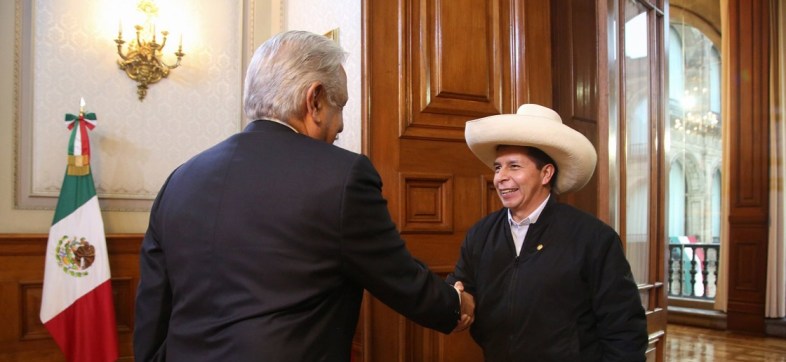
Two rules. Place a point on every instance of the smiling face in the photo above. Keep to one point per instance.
(520, 185)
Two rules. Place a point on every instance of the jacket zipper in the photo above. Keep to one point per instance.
(511, 319)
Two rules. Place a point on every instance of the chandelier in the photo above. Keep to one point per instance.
(698, 123)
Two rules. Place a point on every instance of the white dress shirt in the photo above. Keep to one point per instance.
(519, 229)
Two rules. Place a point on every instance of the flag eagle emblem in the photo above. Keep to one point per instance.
(75, 256)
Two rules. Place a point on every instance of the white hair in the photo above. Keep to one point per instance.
(282, 70)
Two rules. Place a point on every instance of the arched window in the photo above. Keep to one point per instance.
(694, 148)
(715, 209)
(676, 200)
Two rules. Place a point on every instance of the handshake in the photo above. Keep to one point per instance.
(467, 308)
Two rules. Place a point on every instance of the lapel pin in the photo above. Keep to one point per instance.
(540, 246)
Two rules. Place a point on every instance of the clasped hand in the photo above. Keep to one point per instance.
(467, 308)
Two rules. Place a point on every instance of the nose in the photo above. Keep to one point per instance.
(501, 175)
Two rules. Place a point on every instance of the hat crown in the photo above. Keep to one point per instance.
(538, 111)
(540, 127)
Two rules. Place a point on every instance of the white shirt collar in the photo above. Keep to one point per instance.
(282, 122)
(533, 217)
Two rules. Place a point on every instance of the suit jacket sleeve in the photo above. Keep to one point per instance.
(375, 256)
(154, 296)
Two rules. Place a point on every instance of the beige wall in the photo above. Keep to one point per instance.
(321, 16)
(11, 219)
(267, 18)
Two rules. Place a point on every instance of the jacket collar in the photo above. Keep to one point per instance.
(266, 125)
(548, 210)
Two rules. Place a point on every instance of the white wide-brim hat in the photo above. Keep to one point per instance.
(540, 127)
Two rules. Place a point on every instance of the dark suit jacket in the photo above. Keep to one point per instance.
(259, 248)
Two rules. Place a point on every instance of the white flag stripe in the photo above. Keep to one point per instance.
(81, 223)
(78, 143)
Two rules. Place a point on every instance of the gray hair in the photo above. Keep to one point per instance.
(282, 70)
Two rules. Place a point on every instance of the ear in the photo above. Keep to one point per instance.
(546, 173)
(314, 99)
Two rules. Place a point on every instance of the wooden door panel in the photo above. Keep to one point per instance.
(452, 67)
(427, 203)
(428, 346)
(444, 62)
(430, 66)
(445, 80)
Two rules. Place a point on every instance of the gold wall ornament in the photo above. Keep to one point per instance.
(332, 35)
(143, 61)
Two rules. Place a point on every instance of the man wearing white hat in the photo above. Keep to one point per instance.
(551, 282)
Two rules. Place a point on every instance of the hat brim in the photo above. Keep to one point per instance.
(574, 154)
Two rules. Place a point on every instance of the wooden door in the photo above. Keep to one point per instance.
(641, 107)
(430, 66)
(749, 165)
(609, 73)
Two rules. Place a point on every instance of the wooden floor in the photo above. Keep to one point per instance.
(690, 344)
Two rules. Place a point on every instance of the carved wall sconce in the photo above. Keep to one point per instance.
(143, 60)
(332, 35)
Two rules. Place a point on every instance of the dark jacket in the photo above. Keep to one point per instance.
(574, 299)
(259, 249)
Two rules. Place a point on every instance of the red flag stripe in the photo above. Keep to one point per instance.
(83, 126)
(86, 331)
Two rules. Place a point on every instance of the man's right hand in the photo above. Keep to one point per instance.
(467, 308)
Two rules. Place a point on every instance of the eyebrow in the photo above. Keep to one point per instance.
(515, 160)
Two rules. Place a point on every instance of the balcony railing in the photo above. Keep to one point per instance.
(693, 270)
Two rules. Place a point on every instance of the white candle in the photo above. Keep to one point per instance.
(82, 105)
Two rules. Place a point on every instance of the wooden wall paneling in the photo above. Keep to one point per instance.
(426, 203)
(430, 66)
(576, 84)
(383, 38)
(749, 143)
(124, 262)
(21, 274)
(532, 57)
(22, 259)
(444, 81)
(489, 199)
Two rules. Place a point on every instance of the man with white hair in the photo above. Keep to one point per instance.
(260, 247)
(551, 283)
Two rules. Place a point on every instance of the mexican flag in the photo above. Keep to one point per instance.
(76, 305)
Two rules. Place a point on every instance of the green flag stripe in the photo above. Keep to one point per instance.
(72, 139)
(76, 191)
